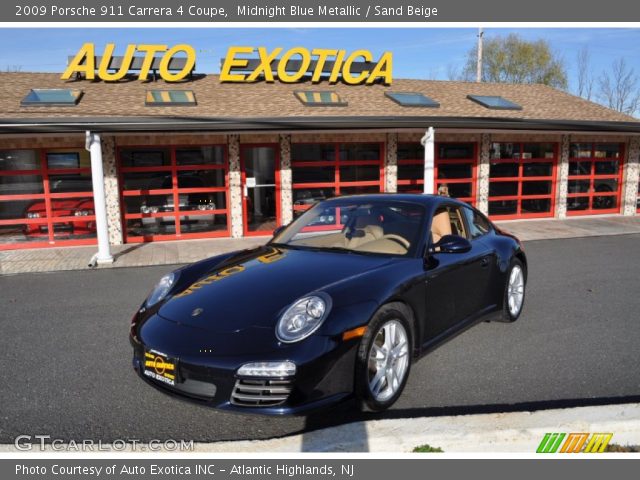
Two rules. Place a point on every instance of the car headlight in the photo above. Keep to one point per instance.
(161, 290)
(33, 215)
(303, 318)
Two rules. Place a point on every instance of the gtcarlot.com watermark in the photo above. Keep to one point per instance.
(26, 443)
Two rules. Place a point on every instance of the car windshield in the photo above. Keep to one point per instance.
(352, 226)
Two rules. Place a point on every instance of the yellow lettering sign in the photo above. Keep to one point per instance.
(312, 62)
(166, 74)
(105, 62)
(232, 62)
(84, 62)
(289, 66)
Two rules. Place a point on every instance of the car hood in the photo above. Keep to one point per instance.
(253, 288)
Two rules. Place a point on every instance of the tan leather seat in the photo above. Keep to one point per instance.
(440, 226)
(367, 229)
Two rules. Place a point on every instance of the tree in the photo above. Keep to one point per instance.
(585, 77)
(453, 72)
(619, 88)
(512, 59)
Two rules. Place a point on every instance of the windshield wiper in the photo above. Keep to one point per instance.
(285, 245)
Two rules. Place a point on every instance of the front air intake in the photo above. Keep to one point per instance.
(260, 393)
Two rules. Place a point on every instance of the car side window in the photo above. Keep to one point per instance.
(447, 221)
(478, 225)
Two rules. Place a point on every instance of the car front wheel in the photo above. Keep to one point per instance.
(514, 291)
(384, 358)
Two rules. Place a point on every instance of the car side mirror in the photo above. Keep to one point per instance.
(451, 244)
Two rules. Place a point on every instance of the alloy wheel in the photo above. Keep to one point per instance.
(388, 360)
(515, 290)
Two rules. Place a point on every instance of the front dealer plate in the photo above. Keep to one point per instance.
(160, 367)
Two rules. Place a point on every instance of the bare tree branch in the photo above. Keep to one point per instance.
(619, 88)
(585, 77)
(453, 72)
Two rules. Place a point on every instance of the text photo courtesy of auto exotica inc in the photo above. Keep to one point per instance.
(360, 199)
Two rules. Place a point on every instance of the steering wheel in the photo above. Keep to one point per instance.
(401, 240)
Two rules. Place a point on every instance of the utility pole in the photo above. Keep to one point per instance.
(479, 66)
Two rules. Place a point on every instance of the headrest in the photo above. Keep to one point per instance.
(366, 220)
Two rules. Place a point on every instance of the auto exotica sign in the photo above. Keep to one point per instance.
(241, 64)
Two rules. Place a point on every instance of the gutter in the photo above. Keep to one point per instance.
(186, 124)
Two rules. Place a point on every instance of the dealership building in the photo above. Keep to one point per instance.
(83, 162)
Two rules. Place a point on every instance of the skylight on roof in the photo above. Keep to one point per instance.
(494, 102)
(52, 96)
(170, 98)
(320, 99)
(412, 99)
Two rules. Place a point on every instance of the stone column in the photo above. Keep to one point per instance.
(235, 187)
(286, 192)
(632, 176)
(391, 164)
(111, 190)
(562, 179)
(483, 173)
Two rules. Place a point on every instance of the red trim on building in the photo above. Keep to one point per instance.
(243, 180)
(337, 185)
(594, 196)
(173, 168)
(418, 183)
(53, 228)
(522, 180)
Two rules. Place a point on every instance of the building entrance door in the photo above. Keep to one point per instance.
(260, 188)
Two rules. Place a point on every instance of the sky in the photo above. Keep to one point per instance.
(417, 52)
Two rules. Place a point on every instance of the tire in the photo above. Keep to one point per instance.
(380, 380)
(509, 312)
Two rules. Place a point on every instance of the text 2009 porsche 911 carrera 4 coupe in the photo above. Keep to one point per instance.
(337, 305)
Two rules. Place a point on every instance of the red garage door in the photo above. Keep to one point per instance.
(595, 178)
(325, 170)
(522, 180)
(455, 169)
(174, 192)
(46, 198)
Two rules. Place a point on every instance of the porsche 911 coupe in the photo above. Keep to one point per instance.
(328, 310)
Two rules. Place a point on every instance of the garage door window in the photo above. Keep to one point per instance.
(595, 177)
(325, 170)
(46, 198)
(522, 180)
(174, 192)
(455, 169)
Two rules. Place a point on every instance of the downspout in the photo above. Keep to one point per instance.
(428, 142)
(94, 147)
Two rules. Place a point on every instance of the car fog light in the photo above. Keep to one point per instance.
(268, 369)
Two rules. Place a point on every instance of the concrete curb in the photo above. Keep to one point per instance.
(518, 432)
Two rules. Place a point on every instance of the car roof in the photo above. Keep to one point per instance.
(427, 200)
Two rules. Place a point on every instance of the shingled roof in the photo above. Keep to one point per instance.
(260, 103)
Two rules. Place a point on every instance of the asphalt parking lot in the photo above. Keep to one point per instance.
(65, 367)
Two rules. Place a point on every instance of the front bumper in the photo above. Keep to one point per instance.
(321, 379)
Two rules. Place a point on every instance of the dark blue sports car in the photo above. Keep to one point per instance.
(338, 304)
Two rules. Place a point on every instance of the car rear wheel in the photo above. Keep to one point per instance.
(514, 291)
(384, 358)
